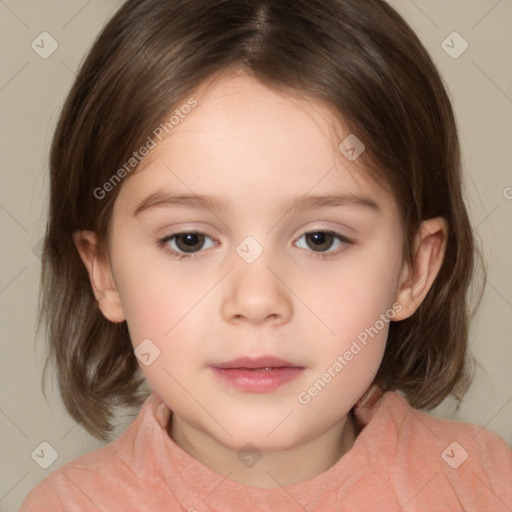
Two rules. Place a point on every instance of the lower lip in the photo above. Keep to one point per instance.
(258, 381)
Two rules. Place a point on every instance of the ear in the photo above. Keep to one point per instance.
(417, 277)
(100, 275)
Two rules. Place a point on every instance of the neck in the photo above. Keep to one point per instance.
(273, 469)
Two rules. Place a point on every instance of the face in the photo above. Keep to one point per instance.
(258, 268)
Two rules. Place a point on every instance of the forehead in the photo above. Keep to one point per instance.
(240, 108)
(244, 138)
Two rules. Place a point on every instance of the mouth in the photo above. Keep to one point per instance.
(257, 375)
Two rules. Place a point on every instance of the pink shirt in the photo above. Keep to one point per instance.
(402, 460)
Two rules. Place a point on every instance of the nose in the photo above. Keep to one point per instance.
(255, 294)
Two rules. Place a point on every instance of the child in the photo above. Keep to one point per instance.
(309, 151)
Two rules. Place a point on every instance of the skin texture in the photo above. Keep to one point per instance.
(256, 149)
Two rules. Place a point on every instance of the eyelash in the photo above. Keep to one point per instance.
(163, 244)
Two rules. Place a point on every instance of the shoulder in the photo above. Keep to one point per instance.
(102, 477)
(69, 487)
(474, 437)
(462, 459)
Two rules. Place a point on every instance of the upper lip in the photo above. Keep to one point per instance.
(256, 362)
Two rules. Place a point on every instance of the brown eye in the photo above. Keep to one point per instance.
(319, 240)
(324, 244)
(189, 242)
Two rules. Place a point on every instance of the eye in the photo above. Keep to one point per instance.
(327, 242)
(186, 244)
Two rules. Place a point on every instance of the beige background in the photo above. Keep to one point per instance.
(32, 90)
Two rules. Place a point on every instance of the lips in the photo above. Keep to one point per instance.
(256, 375)
(258, 363)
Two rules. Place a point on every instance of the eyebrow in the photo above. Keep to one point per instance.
(162, 199)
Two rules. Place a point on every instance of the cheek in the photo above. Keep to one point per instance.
(355, 295)
(162, 316)
(358, 306)
(156, 294)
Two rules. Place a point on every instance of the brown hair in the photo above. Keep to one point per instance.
(357, 56)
